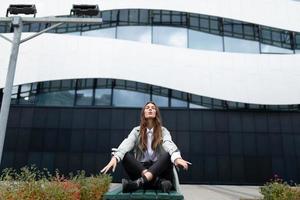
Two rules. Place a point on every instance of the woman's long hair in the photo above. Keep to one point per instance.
(157, 133)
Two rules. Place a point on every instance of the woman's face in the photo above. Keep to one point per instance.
(150, 111)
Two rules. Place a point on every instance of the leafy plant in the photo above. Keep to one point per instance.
(277, 189)
(30, 183)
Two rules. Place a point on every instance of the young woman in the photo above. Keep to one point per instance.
(147, 154)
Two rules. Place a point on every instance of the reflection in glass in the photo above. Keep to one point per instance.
(106, 32)
(265, 48)
(26, 98)
(240, 45)
(84, 97)
(102, 97)
(125, 98)
(200, 40)
(170, 36)
(135, 33)
(161, 101)
(178, 103)
(297, 51)
(197, 106)
(61, 98)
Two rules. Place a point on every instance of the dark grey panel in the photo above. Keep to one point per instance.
(210, 169)
(36, 140)
(88, 162)
(195, 120)
(249, 142)
(237, 169)
(278, 166)
(288, 145)
(75, 161)
(117, 119)
(235, 122)
(248, 123)
(63, 141)
(79, 118)
(48, 161)
(263, 144)
(297, 144)
(183, 142)
(14, 117)
(104, 118)
(208, 121)
(26, 117)
(23, 140)
(21, 160)
(10, 139)
(296, 122)
(210, 141)
(35, 158)
(261, 124)
(103, 141)
(251, 169)
(274, 123)
(66, 116)
(90, 140)
(286, 123)
(50, 140)
(222, 144)
(224, 169)
(182, 120)
(62, 162)
(236, 144)
(221, 121)
(131, 119)
(276, 144)
(39, 118)
(169, 119)
(91, 119)
(77, 141)
(53, 117)
(197, 143)
(8, 159)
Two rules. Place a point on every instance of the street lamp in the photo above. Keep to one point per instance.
(27, 9)
(17, 24)
(85, 10)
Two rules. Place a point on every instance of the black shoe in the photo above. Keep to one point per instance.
(131, 186)
(165, 185)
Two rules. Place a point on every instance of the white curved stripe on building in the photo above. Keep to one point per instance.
(250, 78)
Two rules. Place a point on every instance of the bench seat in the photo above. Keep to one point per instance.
(142, 194)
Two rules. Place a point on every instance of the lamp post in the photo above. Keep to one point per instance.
(17, 24)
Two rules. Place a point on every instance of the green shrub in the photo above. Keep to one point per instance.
(32, 184)
(277, 189)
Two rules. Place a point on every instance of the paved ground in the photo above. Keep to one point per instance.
(216, 192)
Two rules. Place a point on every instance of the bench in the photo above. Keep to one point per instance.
(142, 194)
(147, 194)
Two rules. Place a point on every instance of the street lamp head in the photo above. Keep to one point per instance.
(27, 9)
(85, 10)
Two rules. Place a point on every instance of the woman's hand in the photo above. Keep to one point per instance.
(183, 163)
(112, 164)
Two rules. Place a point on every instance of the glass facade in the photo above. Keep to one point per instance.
(121, 93)
(181, 29)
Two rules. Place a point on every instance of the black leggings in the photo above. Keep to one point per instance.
(162, 168)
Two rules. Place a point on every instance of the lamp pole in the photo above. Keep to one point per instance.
(17, 23)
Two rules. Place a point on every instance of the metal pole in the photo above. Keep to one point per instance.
(17, 24)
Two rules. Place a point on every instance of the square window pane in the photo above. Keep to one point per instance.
(135, 33)
(102, 97)
(265, 48)
(61, 98)
(125, 98)
(160, 101)
(200, 40)
(84, 97)
(170, 36)
(240, 45)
